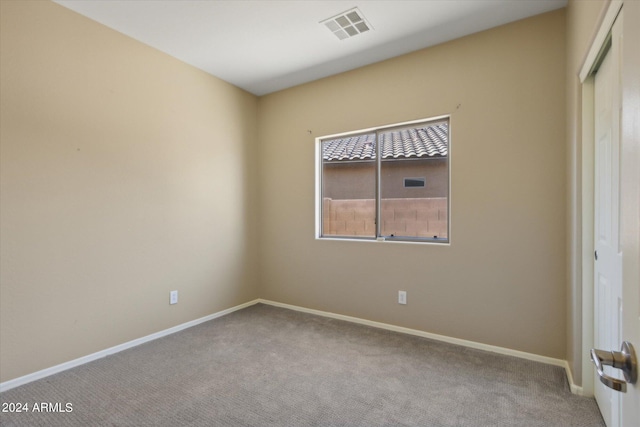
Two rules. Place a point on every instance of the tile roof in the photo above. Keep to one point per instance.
(427, 141)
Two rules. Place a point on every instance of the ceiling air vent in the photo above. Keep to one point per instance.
(347, 24)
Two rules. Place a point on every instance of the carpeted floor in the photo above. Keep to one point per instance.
(267, 366)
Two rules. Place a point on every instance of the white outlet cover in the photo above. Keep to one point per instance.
(173, 297)
(402, 297)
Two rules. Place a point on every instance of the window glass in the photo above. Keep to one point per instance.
(391, 183)
(410, 210)
(349, 186)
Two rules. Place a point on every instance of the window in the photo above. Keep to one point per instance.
(389, 183)
(414, 182)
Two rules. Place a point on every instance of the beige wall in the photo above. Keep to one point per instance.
(582, 22)
(349, 180)
(502, 281)
(124, 174)
(357, 180)
(394, 172)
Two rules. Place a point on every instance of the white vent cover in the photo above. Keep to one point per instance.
(347, 24)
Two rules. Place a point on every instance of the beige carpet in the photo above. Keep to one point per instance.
(267, 366)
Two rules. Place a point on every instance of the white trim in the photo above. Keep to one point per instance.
(587, 192)
(587, 236)
(384, 127)
(7, 385)
(600, 38)
(443, 338)
(575, 389)
(318, 185)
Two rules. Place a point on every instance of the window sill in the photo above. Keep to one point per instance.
(385, 240)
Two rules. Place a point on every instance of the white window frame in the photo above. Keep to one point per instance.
(379, 238)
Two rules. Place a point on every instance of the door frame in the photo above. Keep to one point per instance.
(590, 63)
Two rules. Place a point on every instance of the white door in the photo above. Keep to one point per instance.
(608, 257)
(616, 288)
(630, 201)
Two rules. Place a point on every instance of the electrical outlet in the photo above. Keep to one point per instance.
(173, 298)
(402, 297)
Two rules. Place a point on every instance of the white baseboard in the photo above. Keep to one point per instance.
(465, 343)
(575, 389)
(7, 385)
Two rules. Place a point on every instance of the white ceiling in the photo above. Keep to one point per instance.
(266, 45)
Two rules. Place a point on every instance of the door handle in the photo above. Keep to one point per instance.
(625, 359)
